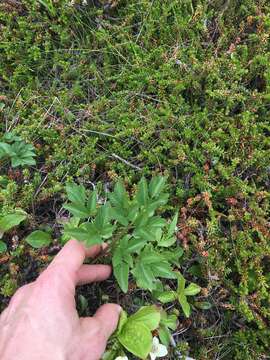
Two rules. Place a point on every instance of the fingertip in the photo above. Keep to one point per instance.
(108, 315)
(91, 273)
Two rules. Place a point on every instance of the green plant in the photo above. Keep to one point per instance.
(38, 239)
(9, 221)
(180, 294)
(48, 4)
(131, 226)
(17, 150)
(135, 333)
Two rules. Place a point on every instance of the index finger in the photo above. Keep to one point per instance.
(73, 255)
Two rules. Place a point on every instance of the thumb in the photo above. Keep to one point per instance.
(108, 316)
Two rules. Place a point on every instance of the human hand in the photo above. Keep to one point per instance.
(41, 321)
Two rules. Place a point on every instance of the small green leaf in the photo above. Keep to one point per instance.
(121, 272)
(170, 321)
(71, 224)
(172, 226)
(144, 276)
(5, 149)
(119, 197)
(148, 315)
(142, 193)
(174, 255)
(37, 239)
(167, 296)
(122, 320)
(136, 338)
(184, 304)
(92, 203)
(135, 245)
(196, 270)
(164, 335)
(167, 241)
(192, 289)
(144, 233)
(3, 247)
(107, 231)
(156, 185)
(77, 210)
(119, 215)
(83, 303)
(156, 222)
(103, 216)
(117, 258)
(163, 269)
(203, 305)
(133, 212)
(7, 222)
(86, 233)
(76, 193)
(181, 283)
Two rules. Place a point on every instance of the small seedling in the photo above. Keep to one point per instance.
(15, 149)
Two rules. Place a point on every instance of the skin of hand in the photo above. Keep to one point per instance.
(41, 321)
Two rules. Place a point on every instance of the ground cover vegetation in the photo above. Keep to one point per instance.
(153, 116)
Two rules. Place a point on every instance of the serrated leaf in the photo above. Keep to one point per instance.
(164, 335)
(37, 239)
(180, 283)
(163, 269)
(3, 247)
(107, 231)
(156, 222)
(173, 256)
(172, 226)
(170, 321)
(148, 315)
(144, 276)
(86, 233)
(136, 338)
(92, 202)
(132, 211)
(144, 233)
(121, 272)
(103, 216)
(167, 296)
(7, 222)
(119, 196)
(167, 241)
(150, 257)
(77, 210)
(141, 219)
(192, 289)
(184, 304)
(6, 149)
(119, 215)
(142, 193)
(117, 257)
(76, 193)
(161, 201)
(157, 185)
(135, 245)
